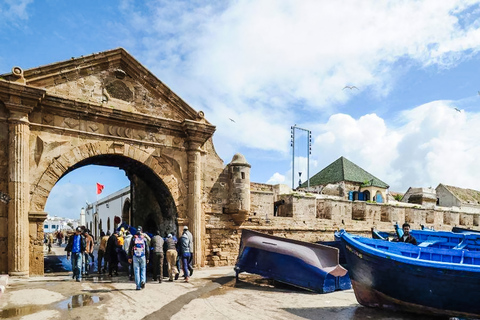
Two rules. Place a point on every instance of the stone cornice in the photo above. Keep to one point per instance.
(197, 133)
(19, 97)
(37, 216)
(98, 112)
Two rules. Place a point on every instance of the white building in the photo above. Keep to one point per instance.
(55, 223)
(100, 215)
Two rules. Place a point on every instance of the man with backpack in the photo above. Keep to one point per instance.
(138, 253)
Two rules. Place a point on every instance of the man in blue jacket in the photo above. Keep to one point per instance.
(76, 247)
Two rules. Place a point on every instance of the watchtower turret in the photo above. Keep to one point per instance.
(239, 185)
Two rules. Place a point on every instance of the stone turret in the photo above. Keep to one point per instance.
(239, 185)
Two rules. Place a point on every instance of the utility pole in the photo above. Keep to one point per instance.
(309, 152)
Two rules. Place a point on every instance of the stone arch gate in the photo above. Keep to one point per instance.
(103, 106)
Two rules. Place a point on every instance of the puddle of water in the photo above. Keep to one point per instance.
(19, 311)
(77, 301)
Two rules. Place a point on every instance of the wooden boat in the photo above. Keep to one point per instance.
(464, 230)
(438, 239)
(305, 265)
(402, 276)
(336, 244)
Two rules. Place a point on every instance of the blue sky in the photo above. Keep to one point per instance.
(270, 64)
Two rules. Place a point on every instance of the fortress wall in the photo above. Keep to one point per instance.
(307, 218)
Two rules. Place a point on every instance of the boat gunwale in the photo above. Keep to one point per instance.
(358, 245)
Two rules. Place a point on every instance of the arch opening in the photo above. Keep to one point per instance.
(147, 201)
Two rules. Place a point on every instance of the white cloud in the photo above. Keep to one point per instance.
(12, 10)
(276, 178)
(269, 63)
(431, 144)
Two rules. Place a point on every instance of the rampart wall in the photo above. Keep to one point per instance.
(307, 218)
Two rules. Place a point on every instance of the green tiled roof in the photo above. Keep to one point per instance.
(344, 170)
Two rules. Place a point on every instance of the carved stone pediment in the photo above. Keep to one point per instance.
(111, 79)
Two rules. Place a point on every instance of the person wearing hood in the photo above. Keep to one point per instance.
(190, 248)
(184, 252)
(126, 245)
(138, 254)
(111, 253)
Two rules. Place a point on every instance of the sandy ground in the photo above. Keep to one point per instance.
(212, 293)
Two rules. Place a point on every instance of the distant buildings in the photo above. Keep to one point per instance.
(55, 223)
(460, 199)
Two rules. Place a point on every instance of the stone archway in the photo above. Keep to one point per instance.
(101, 106)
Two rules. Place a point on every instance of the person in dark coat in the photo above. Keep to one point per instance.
(157, 252)
(111, 253)
(407, 237)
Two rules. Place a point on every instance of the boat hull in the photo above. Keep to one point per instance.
(305, 265)
(388, 283)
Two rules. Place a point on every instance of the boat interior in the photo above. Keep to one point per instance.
(429, 253)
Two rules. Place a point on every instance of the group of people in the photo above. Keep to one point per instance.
(80, 247)
(54, 237)
(134, 252)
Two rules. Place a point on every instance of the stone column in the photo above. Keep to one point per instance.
(197, 132)
(18, 187)
(194, 202)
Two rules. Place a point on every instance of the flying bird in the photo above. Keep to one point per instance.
(350, 87)
(458, 109)
(231, 119)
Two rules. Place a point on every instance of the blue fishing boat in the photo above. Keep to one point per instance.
(402, 276)
(464, 230)
(437, 239)
(302, 264)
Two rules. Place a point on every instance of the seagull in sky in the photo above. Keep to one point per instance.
(350, 87)
(458, 109)
(231, 119)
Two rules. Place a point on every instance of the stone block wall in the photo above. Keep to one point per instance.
(312, 220)
(36, 248)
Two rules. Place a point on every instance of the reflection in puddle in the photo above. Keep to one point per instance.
(19, 311)
(79, 300)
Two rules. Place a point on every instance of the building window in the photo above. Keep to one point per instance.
(243, 175)
(46, 226)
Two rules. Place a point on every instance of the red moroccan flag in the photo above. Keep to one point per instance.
(100, 188)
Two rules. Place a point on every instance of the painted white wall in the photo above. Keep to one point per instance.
(105, 209)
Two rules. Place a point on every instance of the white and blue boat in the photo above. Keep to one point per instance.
(310, 266)
(402, 276)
